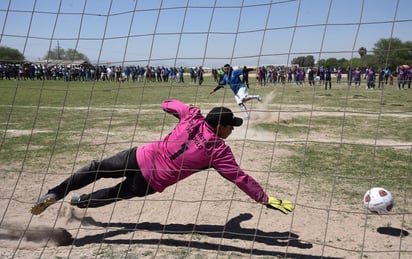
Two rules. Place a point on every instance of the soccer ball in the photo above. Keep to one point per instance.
(378, 200)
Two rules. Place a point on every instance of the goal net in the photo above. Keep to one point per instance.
(83, 80)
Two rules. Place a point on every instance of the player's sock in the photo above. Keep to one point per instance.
(75, 199)
(244, 110)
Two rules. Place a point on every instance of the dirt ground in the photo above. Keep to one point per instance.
(204, 216)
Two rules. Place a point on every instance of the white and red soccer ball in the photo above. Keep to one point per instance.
(378, 200)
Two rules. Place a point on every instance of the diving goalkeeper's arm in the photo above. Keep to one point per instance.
(225, 163)
(217, 88)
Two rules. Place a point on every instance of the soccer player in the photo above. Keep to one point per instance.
(232, 77)
(357, 75)
(195, 144)
(339, 75)
(370, 78)
(401, 78)
(321, 74)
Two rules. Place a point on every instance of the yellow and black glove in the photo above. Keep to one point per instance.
(284, 206)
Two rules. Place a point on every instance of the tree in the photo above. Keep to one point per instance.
(370, 61)
(343, 63)
(10, 55)
(356, 62)
(362, 51)
(69, 54)
(302, 61)
(309, 61)
(72, 54)
(298, 61)
(332, 63)
(322, 63)
(392, 52)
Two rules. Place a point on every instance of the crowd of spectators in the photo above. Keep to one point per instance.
(264, 75)
(325, 75)
(86, 72)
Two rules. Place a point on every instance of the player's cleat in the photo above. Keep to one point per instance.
(44, 202)
(260, 99)
(75, 199)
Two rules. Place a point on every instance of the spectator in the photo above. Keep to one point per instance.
(311, 76)
(181, 75)
(357, 74)
(321, 74)
(381, 78)
(387, 75)
(245, 78)
(200, 73)
(401, 78)
(370, 77)
(328, 78)
(339, 75)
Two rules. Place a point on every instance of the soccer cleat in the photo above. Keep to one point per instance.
(75, 199)
(44, 202)
(260, 99)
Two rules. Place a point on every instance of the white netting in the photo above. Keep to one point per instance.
(302, 143)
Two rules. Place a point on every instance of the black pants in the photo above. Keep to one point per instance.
(123, 164)
(328, 81)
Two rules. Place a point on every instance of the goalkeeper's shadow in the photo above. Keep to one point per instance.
(231, 230)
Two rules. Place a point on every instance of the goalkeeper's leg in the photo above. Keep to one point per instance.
(135, 185)
(113, 167)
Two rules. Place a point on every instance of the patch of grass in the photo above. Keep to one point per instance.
(284, 128)
(180, 253)
(358, 126)
(356, 167)
(109, 251)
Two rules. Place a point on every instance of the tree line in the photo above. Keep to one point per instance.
(386, 53)
(11, 55)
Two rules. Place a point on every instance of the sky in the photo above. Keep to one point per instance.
(210, 33)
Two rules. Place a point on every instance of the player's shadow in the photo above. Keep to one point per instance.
(231, 230)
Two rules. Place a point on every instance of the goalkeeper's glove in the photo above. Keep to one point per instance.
(284, 206)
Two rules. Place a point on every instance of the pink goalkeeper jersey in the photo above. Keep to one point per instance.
(191, 147)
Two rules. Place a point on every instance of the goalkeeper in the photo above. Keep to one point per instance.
(195, 144)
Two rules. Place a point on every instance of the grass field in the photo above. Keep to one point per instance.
(347, 138)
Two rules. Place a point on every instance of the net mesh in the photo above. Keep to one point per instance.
(89, 87)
